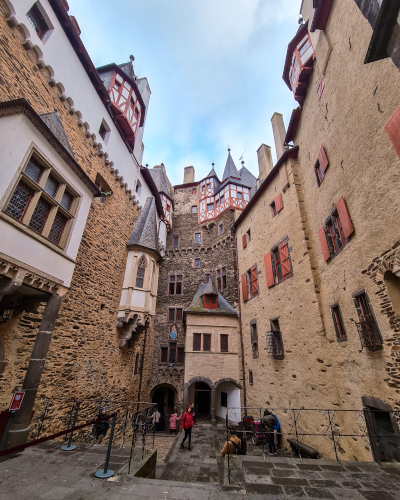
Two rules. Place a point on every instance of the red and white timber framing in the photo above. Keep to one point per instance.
(126, 106)
(228, 197)
(167, 207)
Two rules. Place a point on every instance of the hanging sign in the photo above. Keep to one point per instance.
(17, 401)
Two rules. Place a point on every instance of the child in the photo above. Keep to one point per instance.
(172, 423)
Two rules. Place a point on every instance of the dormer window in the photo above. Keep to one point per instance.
(210, 301)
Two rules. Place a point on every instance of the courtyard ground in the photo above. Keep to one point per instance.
(45, 472)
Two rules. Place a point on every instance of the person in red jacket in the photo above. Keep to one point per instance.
(187, 424)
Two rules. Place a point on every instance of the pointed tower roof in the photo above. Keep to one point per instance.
(230, 168)
(160, 179)
(127, 68)
(248, 179)
(212, 172)
(145, 232)
(197, 305)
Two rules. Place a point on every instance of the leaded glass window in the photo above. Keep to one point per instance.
(66, 200)
(19, 201)
(57, 228)
(34, 170)
(40, 215)
(51, 186)
(140, 273)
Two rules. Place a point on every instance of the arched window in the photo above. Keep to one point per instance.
(392, 283)
(140, 272)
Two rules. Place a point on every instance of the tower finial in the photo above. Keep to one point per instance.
(229, 149)
(131, 58)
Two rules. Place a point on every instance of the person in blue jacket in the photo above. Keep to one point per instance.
(277, 430)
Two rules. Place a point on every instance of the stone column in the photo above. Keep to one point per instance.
(213, 405)
(19, 430)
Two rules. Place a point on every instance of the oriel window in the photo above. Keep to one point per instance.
(140, 272)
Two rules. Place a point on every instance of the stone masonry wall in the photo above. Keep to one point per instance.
(84, 359)
(214, 251)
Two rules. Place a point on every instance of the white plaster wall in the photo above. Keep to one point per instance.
(138, 298)
(21, 134)
(128, 271)
(68, 70)
(162, 235)
(233, 394)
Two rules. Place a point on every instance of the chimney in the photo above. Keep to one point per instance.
(188, 175)
(279, 130)
(265, 163)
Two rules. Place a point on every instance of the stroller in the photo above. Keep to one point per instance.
(259, 433)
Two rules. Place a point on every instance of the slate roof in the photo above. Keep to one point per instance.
(160, 180)
(248, 179)
(54, 123)
(127, 68)
(230, 168)
(145, 232)
(197, 305)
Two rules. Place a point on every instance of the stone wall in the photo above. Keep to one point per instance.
(84, 359)
(214, 251)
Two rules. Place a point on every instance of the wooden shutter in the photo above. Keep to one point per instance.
(323, 160)
(285, 262)
(278, 203)
(244, 241)
(244, 287)
(324, 243)
(344, 218)
(269, 272)
(254, 282)
(393, 130)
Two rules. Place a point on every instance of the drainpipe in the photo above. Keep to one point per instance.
(141, 366)
(240, 326)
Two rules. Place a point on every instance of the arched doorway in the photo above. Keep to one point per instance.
(202, 399)
(166, 399)
(227, 395)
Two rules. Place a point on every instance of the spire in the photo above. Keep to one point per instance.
(230, 168)
(212, 171)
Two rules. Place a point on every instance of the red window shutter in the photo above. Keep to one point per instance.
(344, 218)
(244, 287)
(324, 244)
(278, 203)
(254, 282)
(269, 272)
(393, 130)
(323, 160)
(244, 241)
(285, 262)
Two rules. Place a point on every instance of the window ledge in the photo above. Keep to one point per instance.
(38, 237)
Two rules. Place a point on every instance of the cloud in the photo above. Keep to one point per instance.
(214, 68)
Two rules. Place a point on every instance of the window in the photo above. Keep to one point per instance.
(196, 263)
(367, 326)
(304, 47)
(210, 206)
(117, 85)
(250, 377)
(221, 229)
(221, 279)
(320, 87)
(206, 342)
(208, 185)
(252, 282)
(224, 343)
(274, 341)
(248, 234)
(175, 285)
(334, 235)
(207, 278)
(197, 237)
(39, 20)
(224, 399)
(240, 195)
(194, 191)
(203, 188)
(172, 353)
(282, 268)
(181, 355)
(140, 272)
(277, 205)
(175, 314)
(210, 301)
(137, 364)
(104, 188)
(254, 338)
(321, 165)
(104, 131)
(138, 187)
(197, 342)
(175, 241)
(164, 355)
(43, 202)
(194, 209)
(338, 323)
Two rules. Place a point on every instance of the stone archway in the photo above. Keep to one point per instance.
(192, 385)
(166, 397)
(227, 395)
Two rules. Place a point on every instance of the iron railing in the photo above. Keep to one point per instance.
(335, 434)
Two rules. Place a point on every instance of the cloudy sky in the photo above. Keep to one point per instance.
(214, 68)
